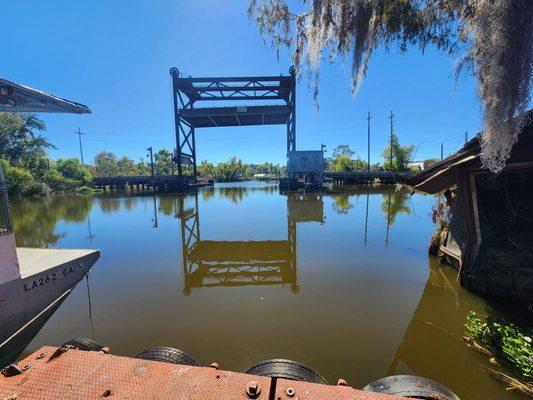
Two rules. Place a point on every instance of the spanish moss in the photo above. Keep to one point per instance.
(492, 38)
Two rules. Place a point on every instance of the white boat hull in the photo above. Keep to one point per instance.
(47, 276)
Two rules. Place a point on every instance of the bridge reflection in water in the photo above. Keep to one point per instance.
(210, 263)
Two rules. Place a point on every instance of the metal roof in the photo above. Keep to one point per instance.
(19, 98)
(443, 174)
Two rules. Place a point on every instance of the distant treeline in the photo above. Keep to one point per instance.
(108, 164)
(29, 171)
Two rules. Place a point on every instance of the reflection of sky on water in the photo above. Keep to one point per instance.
(360, 274)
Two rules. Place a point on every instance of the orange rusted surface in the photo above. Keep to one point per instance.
(311, 391)
(79, 374)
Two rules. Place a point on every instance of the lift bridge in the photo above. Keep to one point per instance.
(213, 263)
(189, 92)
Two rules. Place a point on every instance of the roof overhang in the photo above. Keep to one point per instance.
(19, 98)
(445, 177)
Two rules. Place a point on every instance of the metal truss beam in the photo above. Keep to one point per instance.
(188, 91)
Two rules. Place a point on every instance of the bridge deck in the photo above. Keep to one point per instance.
(362, 177)
(163, 183)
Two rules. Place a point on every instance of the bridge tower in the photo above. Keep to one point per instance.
(188, 92)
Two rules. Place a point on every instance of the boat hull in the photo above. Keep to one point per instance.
(28, 302)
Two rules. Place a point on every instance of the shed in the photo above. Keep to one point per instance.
(489, 235)
(306, 164)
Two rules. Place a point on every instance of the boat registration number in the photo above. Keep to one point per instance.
(44, 280)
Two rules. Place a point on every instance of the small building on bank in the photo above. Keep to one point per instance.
(488, 234)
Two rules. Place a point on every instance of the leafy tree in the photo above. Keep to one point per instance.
(19, 180)
(143, 168)
(343, 163)
(20, 143)
(401, 155)
(126, 167)
(342, 160)
(58, 183)
(164, 164)
(105, 163)
(206, 169)
(72, 168)
(359, 165)
(231, 171)
(343, 150)
(494, 37)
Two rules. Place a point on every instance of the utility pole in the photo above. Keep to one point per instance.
(151, 155)
(79, 133)
(442, 151)
(391, 117)
(466, 136)
(368, 120)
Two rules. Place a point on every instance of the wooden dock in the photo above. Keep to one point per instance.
(142, 183)
(357, 178)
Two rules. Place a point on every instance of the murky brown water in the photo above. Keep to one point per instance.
(341, 282)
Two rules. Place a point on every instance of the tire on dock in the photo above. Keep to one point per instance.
(84, 344)
(286, 369)
(412, 387)
(168, 355)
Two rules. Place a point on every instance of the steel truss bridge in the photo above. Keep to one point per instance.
(188, 92)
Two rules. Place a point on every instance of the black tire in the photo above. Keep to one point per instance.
(168, 355)
(411, 386)
(84, 344)
(286, 369)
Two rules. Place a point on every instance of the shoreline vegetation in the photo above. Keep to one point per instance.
(30, 172)
(508, 347)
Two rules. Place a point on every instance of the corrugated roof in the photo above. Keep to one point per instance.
(19, 98)
(442, 175)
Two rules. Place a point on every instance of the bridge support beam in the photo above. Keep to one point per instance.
(188, 91)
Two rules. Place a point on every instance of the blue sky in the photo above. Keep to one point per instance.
(115, 56)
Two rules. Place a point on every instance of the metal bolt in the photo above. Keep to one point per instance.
(214, 365)
(253, 388)
(289, 392)
(342, 382)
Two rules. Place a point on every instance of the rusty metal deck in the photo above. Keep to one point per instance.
(78, 374)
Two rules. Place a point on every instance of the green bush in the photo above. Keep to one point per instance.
(505, 341)
(19, 180)
(57, 182)
(73, 169)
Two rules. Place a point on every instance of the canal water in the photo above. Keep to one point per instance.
(240, 273)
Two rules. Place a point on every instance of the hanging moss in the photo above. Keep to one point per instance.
(495, 38)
